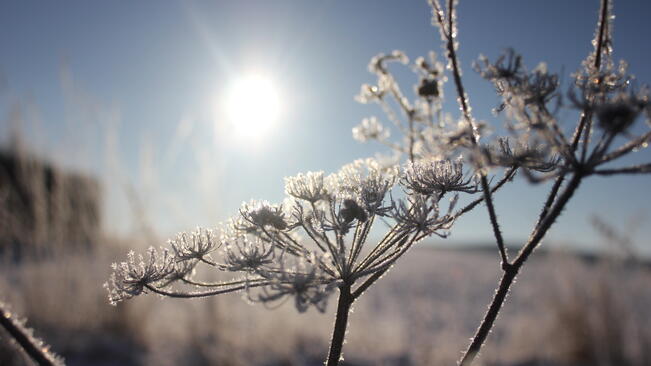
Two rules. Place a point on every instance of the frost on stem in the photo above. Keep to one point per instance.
(24, 337)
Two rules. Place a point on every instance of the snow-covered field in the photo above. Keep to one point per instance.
(564, 310)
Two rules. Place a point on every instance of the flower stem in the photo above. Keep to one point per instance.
(411, 139)
(35, 349)
(341, 322)
(489, 319)
(511, 271)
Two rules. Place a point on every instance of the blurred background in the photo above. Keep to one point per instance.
(122, 124)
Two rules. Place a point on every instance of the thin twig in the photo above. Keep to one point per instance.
(449, 34)
(411, 138)
(188, 295)
(636, 169)
(35, 349)
(626, 148)
(507, 177)
(550, 198)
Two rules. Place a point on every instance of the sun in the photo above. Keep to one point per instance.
(252, 106)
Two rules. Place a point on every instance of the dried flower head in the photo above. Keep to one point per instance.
(352, 211)
(301, 280)
(521, 155)
(420, 213)
(437, 177)
(309, 187)
(517, 86)
(260, 215)
(370, 129)
(246, 253)
(365, 182)
(619, 113)
(131, 278)
(195, 245)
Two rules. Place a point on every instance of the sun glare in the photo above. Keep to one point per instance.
(252, 107)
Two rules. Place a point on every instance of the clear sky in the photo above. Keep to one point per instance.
(133, 92)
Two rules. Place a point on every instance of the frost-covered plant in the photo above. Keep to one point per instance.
(321, 239)
(317, 241)
(537, 144)
(23, 336)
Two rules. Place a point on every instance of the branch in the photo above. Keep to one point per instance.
(550, 198)
(189, 295)
(382, 268)
(511, 271)
(626, 148)
(36, 349)
(603, 21)
(635, 169)
(493, 219)
(489, 318)
(448, 34)
(507, 177)
(216, 284)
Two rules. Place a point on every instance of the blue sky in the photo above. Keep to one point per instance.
(129, 90)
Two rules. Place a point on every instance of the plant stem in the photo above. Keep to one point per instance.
(448, 33)
(39, 353)
(489, 319)
(507, 177)
(493, 219)
(550, 198)
(411, 139)
(511, 271)
(341, 322)
(551, 210)
(603, 23)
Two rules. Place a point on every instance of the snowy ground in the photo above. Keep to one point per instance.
(563, 310)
